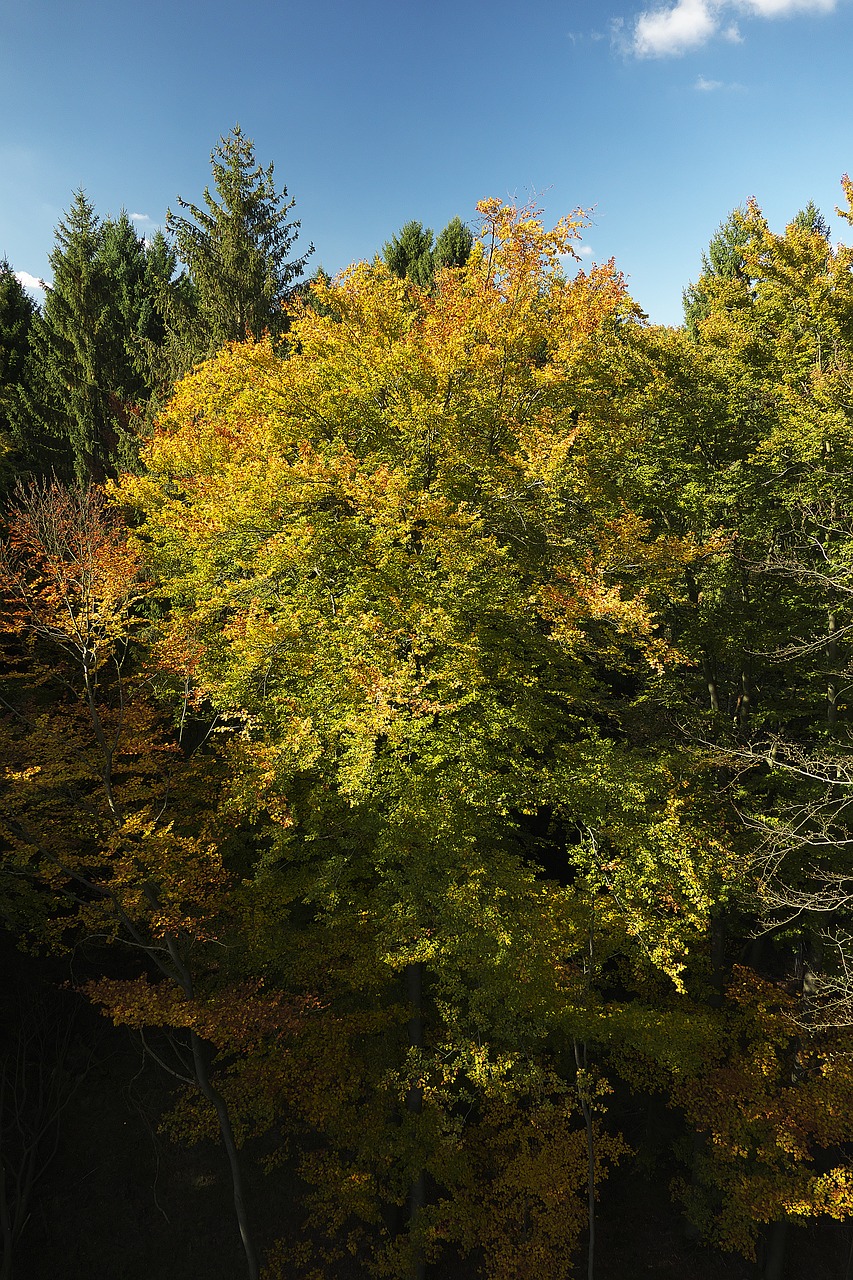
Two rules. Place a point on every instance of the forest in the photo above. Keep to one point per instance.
(425, 709)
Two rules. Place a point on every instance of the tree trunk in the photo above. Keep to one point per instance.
(414, 1103)
(184, 979)
(586, 1110)
(710, 675)
(832, 678)
(777, 1236)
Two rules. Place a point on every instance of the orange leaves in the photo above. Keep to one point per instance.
(67, 571)
(240, 1016)
(774, 1105)
(523, 1198)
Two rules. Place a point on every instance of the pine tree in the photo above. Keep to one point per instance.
(236, 248)
(97, 349)
(412, 254)
(67, 404)
(409, 254)
(724, 261)
(17, 311)
(453, 246)
(811, 220)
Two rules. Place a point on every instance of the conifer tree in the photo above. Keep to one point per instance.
(16, 317)
(724, 262)
(453, 246)
(236, 249)
(68, 404)
(409, 254)
(96, 347)
(413, 255)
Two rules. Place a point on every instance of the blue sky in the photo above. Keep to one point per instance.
(659, 118)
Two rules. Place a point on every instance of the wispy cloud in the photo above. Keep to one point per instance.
(677, 28)
(704, 85)
(779, 8)
(688, 24)
(30, 282)
(139, 217)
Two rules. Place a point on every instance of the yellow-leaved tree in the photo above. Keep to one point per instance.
(388, 568)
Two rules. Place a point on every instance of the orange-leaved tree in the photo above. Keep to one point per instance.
(114, 831)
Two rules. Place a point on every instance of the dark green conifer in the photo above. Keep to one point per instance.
(17, 311)
(413, 254)
(723, 261)
(409, 254)
(236, 249)
(453, 246)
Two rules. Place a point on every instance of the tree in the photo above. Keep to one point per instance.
(412, 254)
(94, 346)
(722, 266)
(810, 219)
(17, 311)
(109, 835)
(69, 401)
(235, 249)
(454, 244)
(397, 573)
(409, 254)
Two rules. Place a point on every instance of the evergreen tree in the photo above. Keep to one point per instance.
(122, 258)
(724, 262)
(453, 246)
(412, 254)
(409, 254)
(67, 405)
(17, 311)
(811, 220)
(236, 249)
(96, 349)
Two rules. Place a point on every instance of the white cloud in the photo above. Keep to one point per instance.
(704, 85)
(30, 282)
(689, 24)
(778, 8)
(671, 31)
(139, 217)
(585, 251)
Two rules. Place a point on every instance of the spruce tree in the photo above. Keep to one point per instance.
(413, 254)
(723, 261)
(17, 311)
(409, 254)
(96, 348)
(453, 246)
(236, 248)
(68, 405)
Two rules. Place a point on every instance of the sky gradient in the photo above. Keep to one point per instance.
(658, 119)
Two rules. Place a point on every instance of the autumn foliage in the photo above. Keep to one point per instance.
(403, 720)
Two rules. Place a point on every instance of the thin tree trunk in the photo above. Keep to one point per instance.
(744, 702)
(5, 1227)
(586, 1110)
(832, 679)
(414, 1103)
(710, 680)
(226, 1131)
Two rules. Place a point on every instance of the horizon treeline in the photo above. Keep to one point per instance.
(426, 715)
